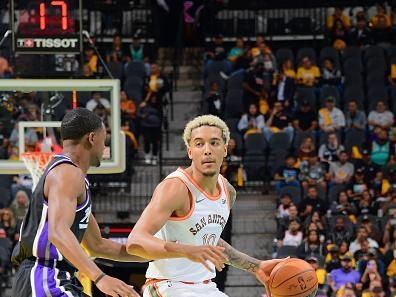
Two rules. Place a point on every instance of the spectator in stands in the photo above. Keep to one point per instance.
(231, 167)
(348, 290)
(362, 253)
(237, 51)
(269, 70)
(355, 118)
(279, 121)
(358, 185)
(375, 290)
(392, 77)
(284, 221)
(321, 273)
(329, 151)
(391, 269)
(312, 173)
(340, 232)
(381, 185)
(312, 203)
(150, 119)
(344, 207)
(381, 148)
(259, 47)
(253, 84)
(344, 275)
(372, 229)
(137, 50)
(366, 205)
(311, 245)
(8, 224)
(361, 235)
(128, 106)
(381, 18)
(293, 236)
(332, 260)
(157, 84)
(31, 114)
(305, 119)
(337, 15)
(20, 205)
(287, 175)
(30, 135)
(91, 59)
(339, 32)
(286, 81)
(284, 205)
(306, 150)
(341, 171)
(217, 45)
(105, 117)
(370, 274)
(382, 33)
(96, 98)
(380, 117)
(361, 34)
(117, 51)
(331, 118)
(319, 221)
(6, 71)
(5, 251)
(214, 100)
(87, 72)
(369, 168)
(251, 122)
(330, 74)
(307, 74)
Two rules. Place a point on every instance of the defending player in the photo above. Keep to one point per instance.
(180, 228)
(59, 218)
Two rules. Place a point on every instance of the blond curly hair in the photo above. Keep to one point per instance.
(206, 120)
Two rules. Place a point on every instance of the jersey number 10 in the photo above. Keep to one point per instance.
(209, 239)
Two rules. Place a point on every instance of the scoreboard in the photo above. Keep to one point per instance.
(46, 26)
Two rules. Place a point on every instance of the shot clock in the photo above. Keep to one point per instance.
(46, 26)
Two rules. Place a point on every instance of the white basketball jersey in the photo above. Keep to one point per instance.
(203, 225)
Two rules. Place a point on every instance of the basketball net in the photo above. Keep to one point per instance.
(36, 162)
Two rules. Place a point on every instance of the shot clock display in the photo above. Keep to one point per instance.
(46, 26)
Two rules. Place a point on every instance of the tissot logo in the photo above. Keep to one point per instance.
(61, 43)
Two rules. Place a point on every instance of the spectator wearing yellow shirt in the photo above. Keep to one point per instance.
(308, 74)
(376, 20)
(392, 76)
(338, 15)
(321, 273)
(260, 47)
(91, 59)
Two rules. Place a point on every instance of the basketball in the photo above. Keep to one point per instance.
(293, 277)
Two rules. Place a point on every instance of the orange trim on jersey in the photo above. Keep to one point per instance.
(157, 290)
(226, 191)
(192, 203)
(209, 196)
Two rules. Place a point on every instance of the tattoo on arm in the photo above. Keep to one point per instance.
(232, 192)
(238, 259)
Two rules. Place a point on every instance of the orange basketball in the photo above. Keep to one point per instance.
(294, 278)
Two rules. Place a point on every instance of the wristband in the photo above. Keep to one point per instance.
(102, 275)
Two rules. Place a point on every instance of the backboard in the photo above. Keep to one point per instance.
(33, 109)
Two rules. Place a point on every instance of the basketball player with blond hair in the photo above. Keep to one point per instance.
(180, 228)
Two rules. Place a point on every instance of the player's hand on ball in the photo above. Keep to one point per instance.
(264, 271)
(204, 253)
(114, 287)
